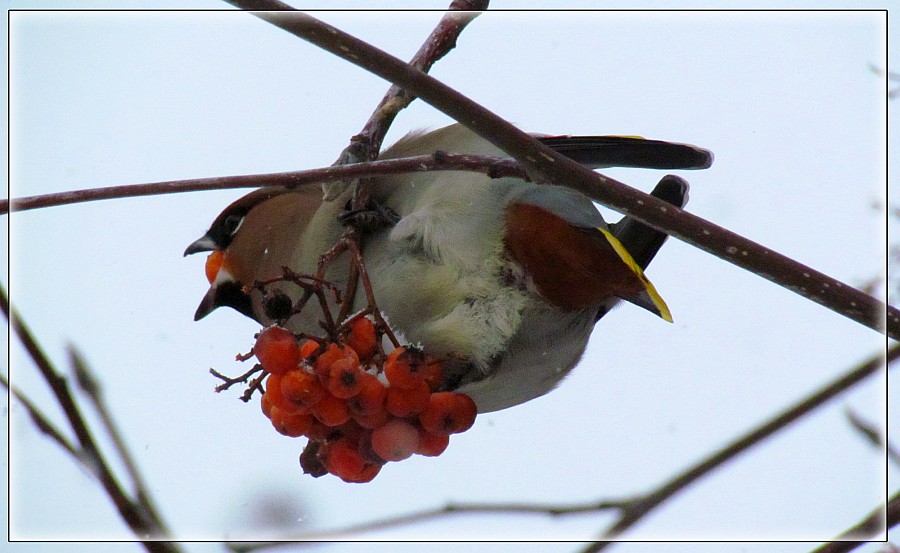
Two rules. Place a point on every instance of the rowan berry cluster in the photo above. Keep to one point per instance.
(358, 410)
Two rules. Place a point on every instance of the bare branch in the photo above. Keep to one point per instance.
(866, 528)
(41, 421)
(90, 385)
(650, 501)
(494, 167)
(872, 435)
(455, 509)
(435, 47)
(550, 166)
(131, 512)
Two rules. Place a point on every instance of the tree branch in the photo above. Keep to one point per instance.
(656, 497)
(494, 167)
(140, 522)
(867, 527)
(553, 167)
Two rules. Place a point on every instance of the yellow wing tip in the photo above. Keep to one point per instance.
(661, 308)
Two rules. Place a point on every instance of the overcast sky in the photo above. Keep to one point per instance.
(786, 100)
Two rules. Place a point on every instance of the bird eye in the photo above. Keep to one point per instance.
(231, 224)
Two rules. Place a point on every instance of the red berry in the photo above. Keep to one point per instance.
(405, 367)
(396, 440)
(362, 337)
(402, 402)
(276, 398)
(293, 425)
(448, 413)
(308, 348)
(331, 354)
(431, 445)
(342, 459)
(331, 411)
(301, 387)
(277, 350)
(370, 397)
(344, 378)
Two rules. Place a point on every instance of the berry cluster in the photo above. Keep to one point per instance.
(358, 409)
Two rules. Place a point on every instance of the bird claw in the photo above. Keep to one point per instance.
(375, 217)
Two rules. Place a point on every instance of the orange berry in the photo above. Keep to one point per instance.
(301, 387)
(331, 411)
(395, 440)
(431, 445)
(318, 431)
(402, 402)
(371, 420)
(308, 348)
(367, 474)
(344, 378)
(266, 404)
(370, 397)
(448, 413)
(342, 459)
(277, 350)
(331, 354)
(213, 263)
(362, 337)
(293, 425)
(405, 367)
(276, 398)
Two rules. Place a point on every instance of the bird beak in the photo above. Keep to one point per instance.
(208, 304)
(228, 293)
(204, 244)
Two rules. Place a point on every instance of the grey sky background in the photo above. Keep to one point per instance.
(786, 100)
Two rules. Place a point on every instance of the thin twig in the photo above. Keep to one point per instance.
(457, 508)
(650, 501)
(866, 528)
(553, 167)
(41, 421)
(872, 435)
(141, 525)
(492, 166)
(94, 391)
(438, 44)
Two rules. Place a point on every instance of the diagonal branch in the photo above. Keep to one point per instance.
(553, 167)
(133, 514)
(872, 524)
(494, 167)
(653, 499)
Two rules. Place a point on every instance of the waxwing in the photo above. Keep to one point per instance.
(504, 277)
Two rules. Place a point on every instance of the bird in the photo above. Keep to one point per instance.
(502, 277)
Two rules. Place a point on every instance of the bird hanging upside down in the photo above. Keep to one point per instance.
(505, 277)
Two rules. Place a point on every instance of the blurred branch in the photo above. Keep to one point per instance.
(439, 161)
(92, 388)
(549, 166)
(873, 435)
(456, 508)
(40, 420)
(87, 453)
(869, 526)
(638, 509)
